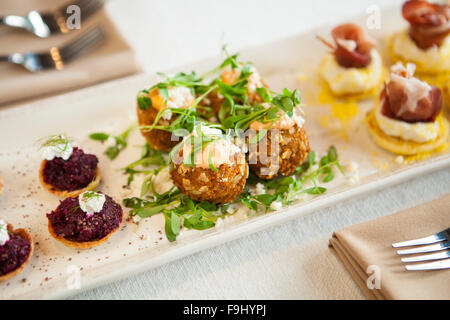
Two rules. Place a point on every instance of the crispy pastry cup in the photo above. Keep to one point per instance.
(81, 245)
(64, 193)
(24, 233)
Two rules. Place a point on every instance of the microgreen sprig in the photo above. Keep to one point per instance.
(286, 190)
(120, 141)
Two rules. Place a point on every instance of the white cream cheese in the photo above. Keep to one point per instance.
(351, 80)
(4, 235)
(418, 132)
(63, 151)
(284, 123)
(254, 80)
(433, 59)
(91, 202)
(179, 97)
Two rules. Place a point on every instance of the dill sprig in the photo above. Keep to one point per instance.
(55, 140)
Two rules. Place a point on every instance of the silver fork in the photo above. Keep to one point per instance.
(56, 58)
(45, 24)
(436, 246)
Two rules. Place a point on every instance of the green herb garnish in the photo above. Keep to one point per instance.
(120, 141)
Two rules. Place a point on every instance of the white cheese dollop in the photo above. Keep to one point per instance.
(418, 132)
(4, 236)
(432, 59)
(179, 97)
(63, 151)
(91, 202)
(351, 80)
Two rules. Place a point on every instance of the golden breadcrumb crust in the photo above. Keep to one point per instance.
(64, 193)
(158, 139)
(204, 184)
(292, 149)
(24, 233)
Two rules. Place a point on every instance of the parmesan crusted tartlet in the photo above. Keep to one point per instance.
(407, 120)
(16, 249)
(427, 41)
(354, 67)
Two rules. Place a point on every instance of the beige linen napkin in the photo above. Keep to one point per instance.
(111, 59)
(370, 244)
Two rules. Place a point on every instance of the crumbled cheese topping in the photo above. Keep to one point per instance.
(91, 202)
(179, 97)
(349, 45)
(4, 235)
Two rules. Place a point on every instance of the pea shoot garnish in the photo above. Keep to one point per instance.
(120, 141)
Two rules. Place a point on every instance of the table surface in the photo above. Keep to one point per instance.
(291, 261)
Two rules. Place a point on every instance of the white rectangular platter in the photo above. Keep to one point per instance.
(110, 107)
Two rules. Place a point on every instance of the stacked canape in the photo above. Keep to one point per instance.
(85, 221)
(67, 171)
(16, 249)
(426, 42)
(408, 120)
(354, 67)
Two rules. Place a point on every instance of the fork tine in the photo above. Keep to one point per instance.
(428, 257)
(437, 265)
(87, 40)
(438, 237)
(431, 248)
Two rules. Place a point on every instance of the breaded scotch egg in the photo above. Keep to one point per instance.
(283, 148)
(230, 76)
(216, 171)
(177, 97)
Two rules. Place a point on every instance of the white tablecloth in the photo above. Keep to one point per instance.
(291, 261)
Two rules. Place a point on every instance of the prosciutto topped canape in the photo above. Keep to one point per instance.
(353, 66)
(16, 249)
(427, 41)
(66, 170)
(85, 221)
(408, 119)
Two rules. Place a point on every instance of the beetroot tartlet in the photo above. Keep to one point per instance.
(85, 221)
(67, 171)
(16, 249)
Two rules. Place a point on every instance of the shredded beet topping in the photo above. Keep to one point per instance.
(359, 57)
(427, 109)
(13, 253)
(72, 174)
(430, 23)
(70, 222)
